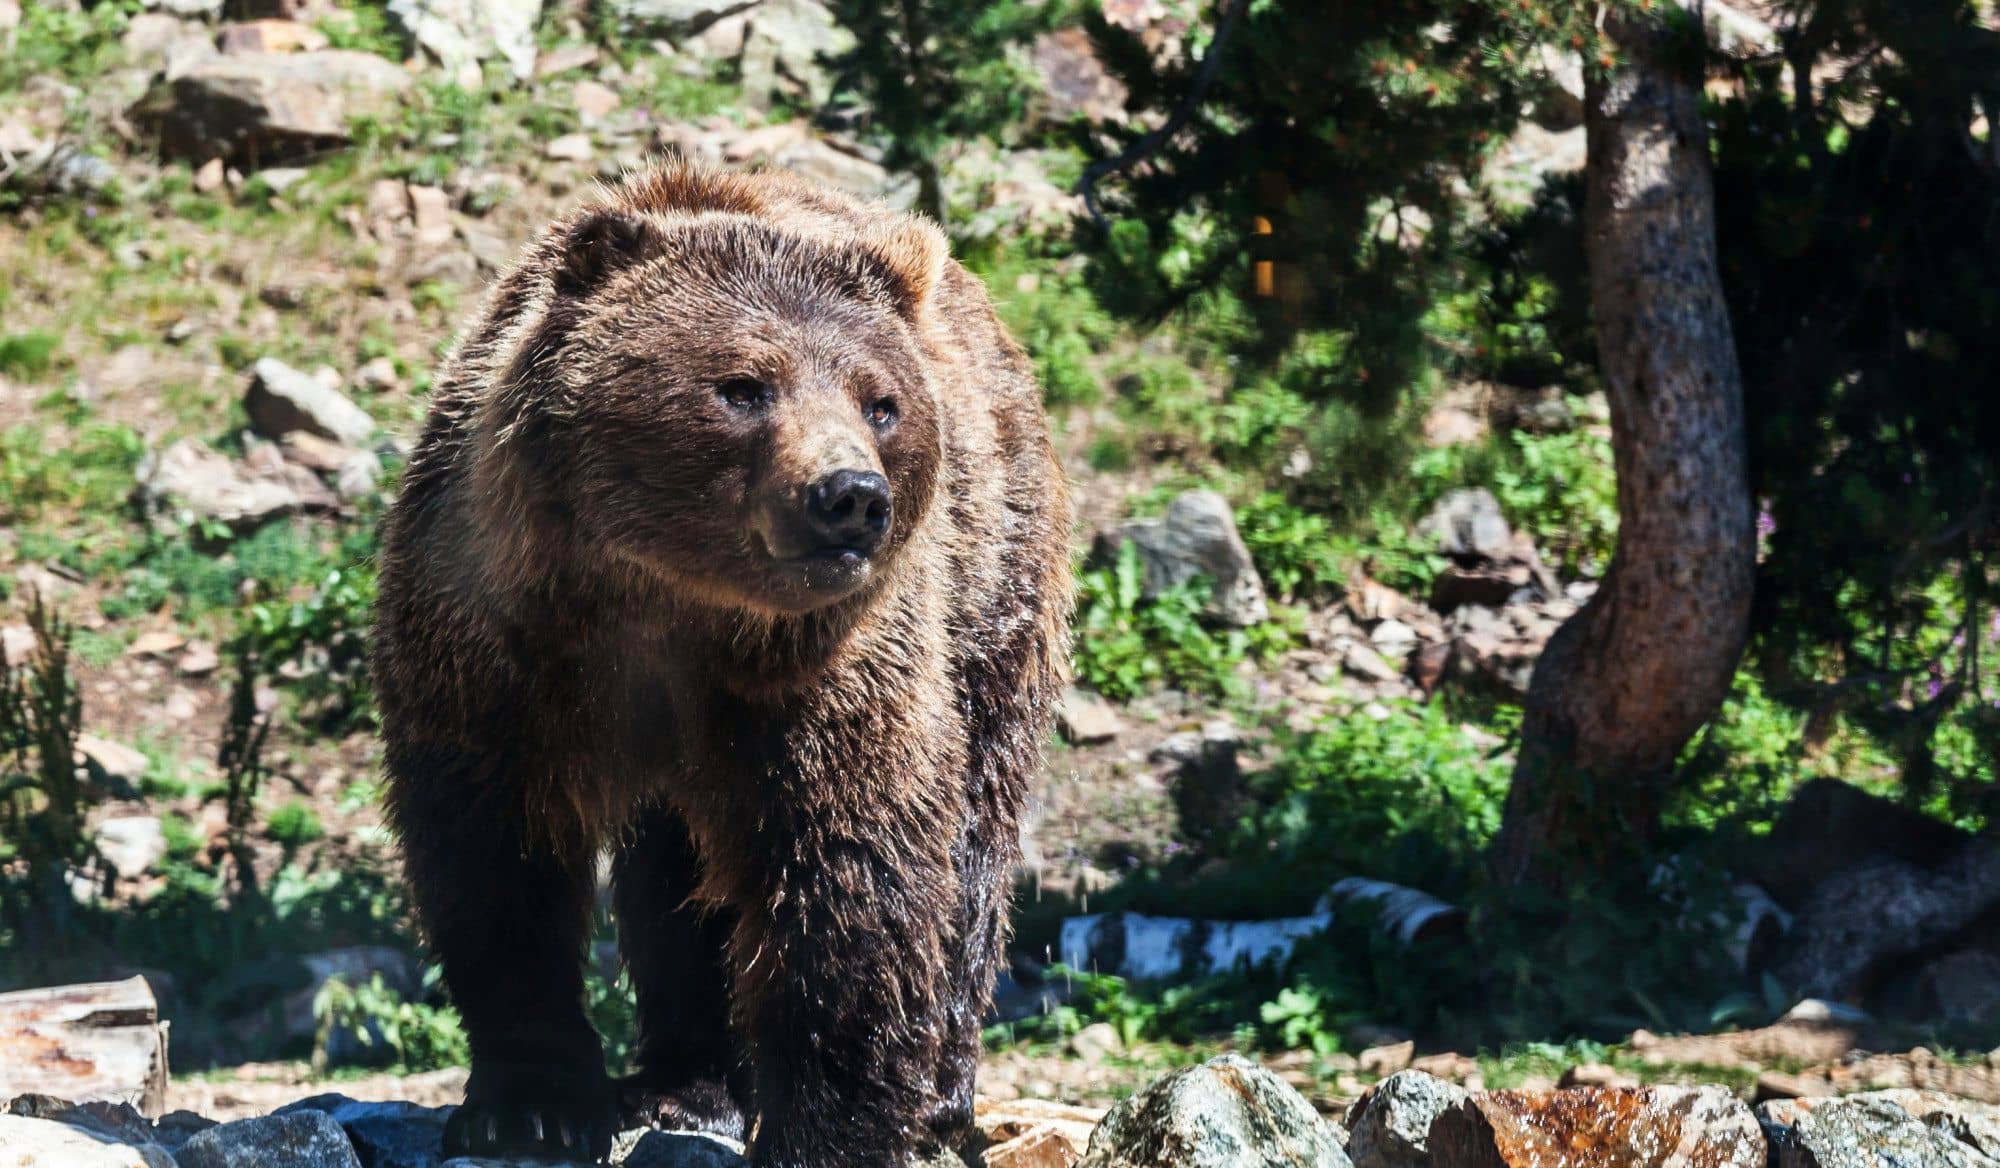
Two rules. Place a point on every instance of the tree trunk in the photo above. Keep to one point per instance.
(1625, 683)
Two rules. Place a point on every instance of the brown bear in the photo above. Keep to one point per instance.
(735, 543)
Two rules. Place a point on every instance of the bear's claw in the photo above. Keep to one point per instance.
(530, 1115)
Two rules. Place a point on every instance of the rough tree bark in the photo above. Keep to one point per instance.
(1626, 682)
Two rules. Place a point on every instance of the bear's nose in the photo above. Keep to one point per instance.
(849, 508)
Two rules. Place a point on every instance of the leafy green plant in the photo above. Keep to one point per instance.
(406, 1037)
(1294, 550)
(1127, 644)
(43, 798)
(27, 356)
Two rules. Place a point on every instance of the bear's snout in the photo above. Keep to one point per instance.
(849, 510)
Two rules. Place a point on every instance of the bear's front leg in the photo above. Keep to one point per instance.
(506, 911)
(840, 991)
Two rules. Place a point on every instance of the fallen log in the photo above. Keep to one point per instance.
(102, 1040)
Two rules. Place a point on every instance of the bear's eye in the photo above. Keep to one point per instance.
(743, 393)
(882, 412)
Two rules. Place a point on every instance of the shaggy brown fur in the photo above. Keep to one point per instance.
(603, 621)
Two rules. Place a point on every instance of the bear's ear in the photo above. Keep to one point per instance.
(913, 253)
(599, 246)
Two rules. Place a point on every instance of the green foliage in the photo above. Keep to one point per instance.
(42, 800)
(27, 356)
(1411, 798)
(614, 1012)
(404, 1037)
(1127, 644)
(294, 825)
(1868, 341)
(76, 44)
(1295, 551)
(937, 75)
(93, 471)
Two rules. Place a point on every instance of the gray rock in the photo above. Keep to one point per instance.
(302, 1139)
(1393, 1129)
(131, 844)
(465, 32)
(1226, 1113)
(1468, 523)
(1196, 537)
(282, 399)
(1876, 1130)
(26, 1141)
(199, 9)
(59, 168)
(1880, 910)
(658, 1149)
(785, 49)
(673, 19)
(258, 108)
(384, 1135)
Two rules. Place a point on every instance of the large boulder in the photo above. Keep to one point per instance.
(300, 1139)
(188, 483)
(30, 1142)
(786, 47)
(1392, 1126)
(1860, 919)
(281, 399)
(1606, 1127)
(1196, 538)
(257, 108)
(673, 19)
(1227, 1113)
(1906, 1129)
(465, 32)
(384, 1135)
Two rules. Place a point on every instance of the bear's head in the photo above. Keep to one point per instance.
(738, 409)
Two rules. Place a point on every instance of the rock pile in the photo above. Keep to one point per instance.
(1226, 1113)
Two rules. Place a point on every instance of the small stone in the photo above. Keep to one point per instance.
(569, 148)
(565, 59)
(17, 645)
(1043, 1147)
(269, 36)
(430, 212)
(114, 759)
(358, 476)
(1086, 719)
(1596, 1075)
(378, 375)
(1227, 1113)
(594, 101)
(131, 844)
(313, 452)
(156, 643)
(282, 178)
(180, 706)
(388, 201)
(1387, 1059)
(1096, 1042)
(199, 661)
(301, 1139)
(208, 178)
(1468, 523)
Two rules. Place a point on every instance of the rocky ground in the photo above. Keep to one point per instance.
(1225, 1113)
